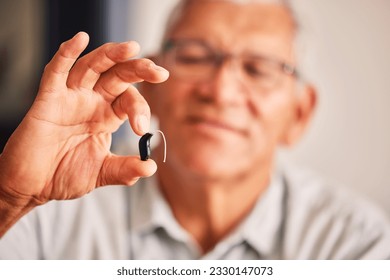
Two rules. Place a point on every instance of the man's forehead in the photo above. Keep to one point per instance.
(225, 19)
(254, 13)
(281, 2)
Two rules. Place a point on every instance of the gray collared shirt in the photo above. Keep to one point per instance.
(298, 217)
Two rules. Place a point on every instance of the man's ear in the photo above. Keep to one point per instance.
(306, 101)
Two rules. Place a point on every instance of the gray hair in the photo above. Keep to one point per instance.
(300, 38)
(180, 7)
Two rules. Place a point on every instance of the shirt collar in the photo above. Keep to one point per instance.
(262, 227)
(150, 210)
(260, 230)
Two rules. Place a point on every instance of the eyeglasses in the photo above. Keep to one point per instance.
(195, 61)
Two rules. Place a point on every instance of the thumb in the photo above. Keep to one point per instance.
(124, 170)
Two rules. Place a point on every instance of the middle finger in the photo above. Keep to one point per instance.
(116, 80)
(87, 70)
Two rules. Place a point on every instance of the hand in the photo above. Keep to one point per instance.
(61, 148)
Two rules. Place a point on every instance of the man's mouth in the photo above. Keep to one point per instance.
(215, 125)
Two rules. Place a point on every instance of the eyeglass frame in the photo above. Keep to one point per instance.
(220, 57)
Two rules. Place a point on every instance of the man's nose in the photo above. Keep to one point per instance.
(226, 85)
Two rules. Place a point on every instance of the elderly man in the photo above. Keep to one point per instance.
(233, 97)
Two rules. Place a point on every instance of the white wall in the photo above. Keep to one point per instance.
(349, 140)
(350, 137)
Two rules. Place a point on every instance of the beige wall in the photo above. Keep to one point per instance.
(349, 140)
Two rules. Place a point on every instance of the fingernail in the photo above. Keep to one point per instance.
(158, 68)
(161, 70)
(143, 123)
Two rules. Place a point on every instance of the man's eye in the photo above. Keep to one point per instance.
(192, 59)
(257, 70)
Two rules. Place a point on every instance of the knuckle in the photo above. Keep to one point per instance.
(146, 62)
(141, 107)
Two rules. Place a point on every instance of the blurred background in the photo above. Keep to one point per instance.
(348, 61)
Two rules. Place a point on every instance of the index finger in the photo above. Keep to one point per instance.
(57, 70)
(116, 80)
(87, 70)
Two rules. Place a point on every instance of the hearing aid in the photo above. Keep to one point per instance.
(144, 146)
